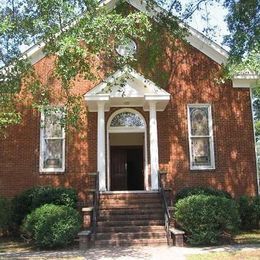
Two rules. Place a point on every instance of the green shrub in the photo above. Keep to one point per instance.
(52, 226)
(256, 203)
(249, 210)
(206, 218)
(186, 192)
(5, 216)
(38, 196)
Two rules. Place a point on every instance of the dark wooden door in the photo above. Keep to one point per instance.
(135, 172)
(126, 168)
(118, 168)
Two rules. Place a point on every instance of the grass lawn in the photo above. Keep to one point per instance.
(250, 255)
(14, 245)
(244, 237)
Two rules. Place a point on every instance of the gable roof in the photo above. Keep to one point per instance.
(195, 38)
(126, 87)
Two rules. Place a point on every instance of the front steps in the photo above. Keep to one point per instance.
(127, 219)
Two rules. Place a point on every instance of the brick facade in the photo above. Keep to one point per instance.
(190, 79)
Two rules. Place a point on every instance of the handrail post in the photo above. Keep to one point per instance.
(167, 217)
(95, 206)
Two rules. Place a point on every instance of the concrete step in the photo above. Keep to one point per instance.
(126, 242)
(125, 217)
(129, 211)
(129, 195)
(118, 223)
(129, 202)
(125, 205)
(130, 235)
(130, 229)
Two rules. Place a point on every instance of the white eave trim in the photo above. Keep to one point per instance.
(149, 92)
(206, 46)
(245, 80)
(196, 39)
(98, 97)
(149, 97)
(35, 53)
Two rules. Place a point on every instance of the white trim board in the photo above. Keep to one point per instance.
(138, 92)
(143, 130)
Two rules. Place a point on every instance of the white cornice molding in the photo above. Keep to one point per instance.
(139, 91)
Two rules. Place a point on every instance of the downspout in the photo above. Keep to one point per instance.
(252, 113)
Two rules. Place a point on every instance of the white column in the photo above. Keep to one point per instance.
(153, 147)
(101, 160)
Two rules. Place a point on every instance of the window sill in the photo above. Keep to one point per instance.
(203, 168)
(52, 171)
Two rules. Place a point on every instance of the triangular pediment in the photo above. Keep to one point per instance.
(126, 87)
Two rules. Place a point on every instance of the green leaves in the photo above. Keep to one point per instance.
(81, 36)
(244, 25)
(206, 217)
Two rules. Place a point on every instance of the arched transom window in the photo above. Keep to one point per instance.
(126, 119)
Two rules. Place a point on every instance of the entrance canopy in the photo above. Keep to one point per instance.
(126, 88)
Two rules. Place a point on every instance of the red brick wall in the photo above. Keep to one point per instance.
(190, 79)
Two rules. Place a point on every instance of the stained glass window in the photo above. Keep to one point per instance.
(201, 137)
(200, 151)
(52, 141)
(199, 121)
(127, 119)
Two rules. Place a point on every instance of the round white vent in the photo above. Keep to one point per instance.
(127, 49)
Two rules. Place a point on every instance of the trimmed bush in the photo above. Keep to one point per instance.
(256, 203)
(249, 210)
(186, 192)
(38, 196)
(206, 218)
(5, 216)
(52, 226)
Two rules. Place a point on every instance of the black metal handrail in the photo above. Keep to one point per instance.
(167, 216)
(95, 206)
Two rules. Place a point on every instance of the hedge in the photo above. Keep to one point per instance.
(52, 226)
(249, 210)
(5, 216)
(35, 197)
(186, 192)
(205, 218)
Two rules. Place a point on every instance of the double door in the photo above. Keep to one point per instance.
(126, 168)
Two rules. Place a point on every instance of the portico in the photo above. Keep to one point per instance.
(127, 89)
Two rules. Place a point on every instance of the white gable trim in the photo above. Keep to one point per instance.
(125, 71)
(245, 81)
(195, 38)
(139, 92)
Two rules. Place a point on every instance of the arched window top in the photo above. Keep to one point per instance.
(127, 119)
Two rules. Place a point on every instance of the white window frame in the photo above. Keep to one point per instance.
(210, 136)
(123, 129)
(42, 148)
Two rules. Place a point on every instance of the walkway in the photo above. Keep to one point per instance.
(123, 253)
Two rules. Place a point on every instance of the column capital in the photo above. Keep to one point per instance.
(152, 103)
(101, 104)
